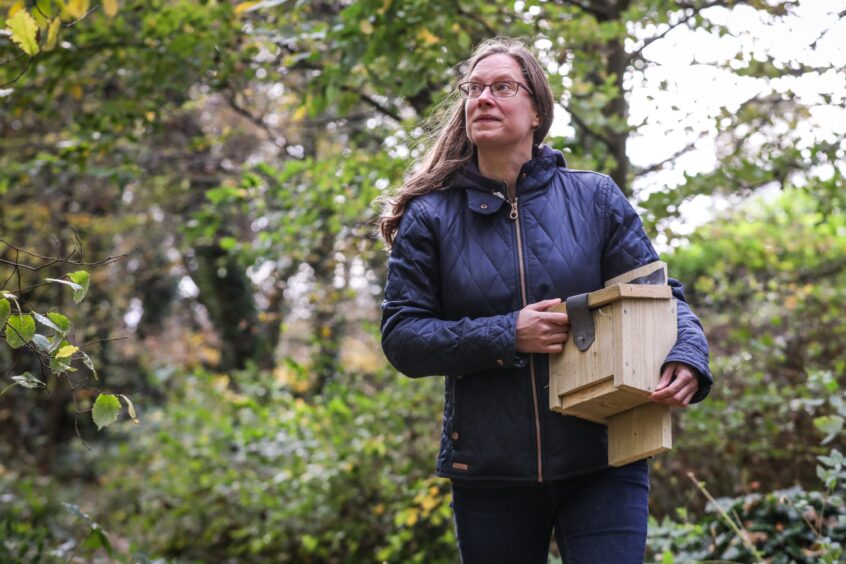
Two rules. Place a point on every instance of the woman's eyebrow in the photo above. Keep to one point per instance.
(501, 75)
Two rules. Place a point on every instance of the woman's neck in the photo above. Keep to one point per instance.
(503, 166)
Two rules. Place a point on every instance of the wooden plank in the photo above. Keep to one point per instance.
(627, 277)
(639, 433)
(600, 403)
(648, 331)
(573, 369)
(617, 292)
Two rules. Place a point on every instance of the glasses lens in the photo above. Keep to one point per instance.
(470, 89)
(504, 89)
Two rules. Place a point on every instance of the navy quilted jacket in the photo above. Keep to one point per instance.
(464, 262)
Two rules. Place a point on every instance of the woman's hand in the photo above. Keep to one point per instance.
(677, 385)
(541, 331)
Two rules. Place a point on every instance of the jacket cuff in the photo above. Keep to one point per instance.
(502, 334)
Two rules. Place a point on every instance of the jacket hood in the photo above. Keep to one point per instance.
(535, 174)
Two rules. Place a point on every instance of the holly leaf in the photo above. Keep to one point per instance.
(20, 331)
(106, 409)
(24, 28)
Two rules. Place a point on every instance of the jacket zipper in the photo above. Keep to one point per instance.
(515, 217)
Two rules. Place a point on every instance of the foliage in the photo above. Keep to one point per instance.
(340, 478)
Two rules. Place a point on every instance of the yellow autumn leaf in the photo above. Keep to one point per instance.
(66, 351)
(53, 34)
(245, 6)
(110, 7)
(366, 27)
(427, 37)
(23, 30)
(76, 8)
(14, 9)
(300, 113)
(411, 517)
(386, 5)
(76, 92)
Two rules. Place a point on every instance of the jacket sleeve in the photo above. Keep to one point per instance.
(416, 338)
(627, 247)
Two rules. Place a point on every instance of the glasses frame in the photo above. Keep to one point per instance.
(493, 93)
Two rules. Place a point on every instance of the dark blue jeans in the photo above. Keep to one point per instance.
(597, 518)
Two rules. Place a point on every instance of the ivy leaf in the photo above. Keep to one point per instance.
(86, 360)
(27, 380)
(82, 278)
(21, 330)
(131, 409)
(106, 409)
(23, 29)
(67, 351)
(5, 310)
(53, 34)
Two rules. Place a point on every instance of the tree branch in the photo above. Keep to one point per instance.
(374, 104)
(600, 15)
(587, 129)
(638, 53)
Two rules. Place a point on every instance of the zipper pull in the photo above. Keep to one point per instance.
(514, 215)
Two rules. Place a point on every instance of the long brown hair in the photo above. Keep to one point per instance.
(449, 148)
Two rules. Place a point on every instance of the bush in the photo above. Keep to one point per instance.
(263, 474)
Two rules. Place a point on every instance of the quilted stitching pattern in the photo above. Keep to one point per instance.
(453, 294)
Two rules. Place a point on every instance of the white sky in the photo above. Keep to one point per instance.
(697, 90)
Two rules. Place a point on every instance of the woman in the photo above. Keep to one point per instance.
(489, 233)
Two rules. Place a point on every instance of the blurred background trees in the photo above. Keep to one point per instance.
(233, 150)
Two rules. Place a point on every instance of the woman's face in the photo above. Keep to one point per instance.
(498, 123)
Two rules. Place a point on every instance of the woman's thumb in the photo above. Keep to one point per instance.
(543, 305)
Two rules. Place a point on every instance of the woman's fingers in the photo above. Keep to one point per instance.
(676, 387)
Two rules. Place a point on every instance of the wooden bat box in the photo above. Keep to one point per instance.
(635, 326)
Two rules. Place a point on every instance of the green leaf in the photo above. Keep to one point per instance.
(76, 287)
(47, 322)
(27, 380)
(60, 320)
(5, 310)
(66, 351)
(82, 278)
(130, 407)
(21, 329)
(23, 29)
(41, 342)
(831, 425)
(106, 409)
(86, 360)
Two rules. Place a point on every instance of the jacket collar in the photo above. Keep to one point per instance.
(534, 175)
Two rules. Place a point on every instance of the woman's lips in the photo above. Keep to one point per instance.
(486, 118)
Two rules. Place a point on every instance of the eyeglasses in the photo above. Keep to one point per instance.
(500, 89)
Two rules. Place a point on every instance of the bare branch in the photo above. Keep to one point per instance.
(638, 53)
(659, 165)
(375, 104)
(20, 74)
(587, 129)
